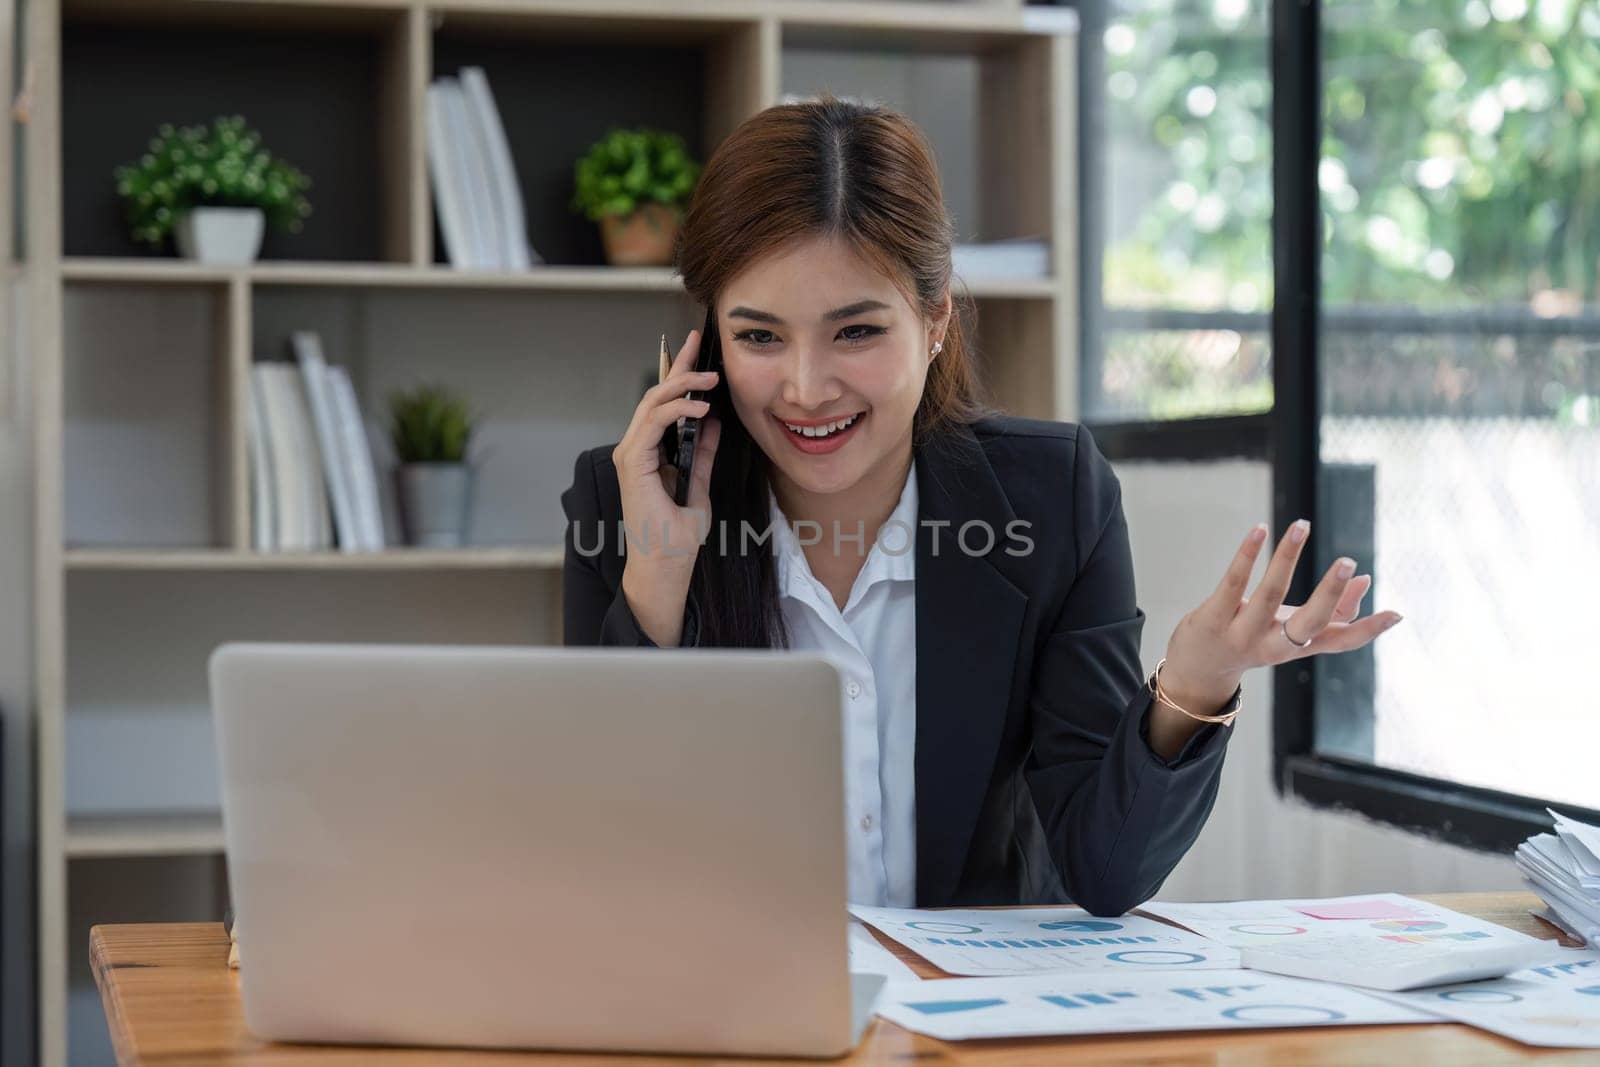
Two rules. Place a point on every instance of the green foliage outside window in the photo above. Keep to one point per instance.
(1461, 153)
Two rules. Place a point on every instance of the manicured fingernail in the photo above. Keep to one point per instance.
(1346, 568)
(1297, 532)
(1258, 533)
(1392, 620)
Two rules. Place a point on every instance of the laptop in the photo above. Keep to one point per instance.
(636, 850)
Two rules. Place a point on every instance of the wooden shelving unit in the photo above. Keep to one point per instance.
(142, 362)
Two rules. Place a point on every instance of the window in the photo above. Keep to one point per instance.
(1406, 196)
(1453, 446)
(1177, 225)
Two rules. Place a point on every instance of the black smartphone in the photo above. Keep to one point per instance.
(708, 358)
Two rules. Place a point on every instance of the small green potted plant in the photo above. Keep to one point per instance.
(431, 428)
(635, 184)
(213, 190)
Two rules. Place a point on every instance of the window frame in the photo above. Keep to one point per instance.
(1287, 436)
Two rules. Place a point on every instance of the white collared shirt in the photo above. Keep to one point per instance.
(874, 644)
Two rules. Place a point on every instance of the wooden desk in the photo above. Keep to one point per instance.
(170, 998)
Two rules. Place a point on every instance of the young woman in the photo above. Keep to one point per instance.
(969, 571)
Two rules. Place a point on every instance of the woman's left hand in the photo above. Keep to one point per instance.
(1230, 633)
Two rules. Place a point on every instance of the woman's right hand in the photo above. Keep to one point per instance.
(663, 539)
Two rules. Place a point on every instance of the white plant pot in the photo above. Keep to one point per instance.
(221, 234)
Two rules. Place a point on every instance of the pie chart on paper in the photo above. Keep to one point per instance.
(1081, 926)
(1268, 929)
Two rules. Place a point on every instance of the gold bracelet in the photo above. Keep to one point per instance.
(1225, 718)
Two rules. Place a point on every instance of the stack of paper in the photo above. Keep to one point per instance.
(1564, 869)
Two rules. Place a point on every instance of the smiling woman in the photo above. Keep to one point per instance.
(969, 572)
(830, 390)
(819, 237)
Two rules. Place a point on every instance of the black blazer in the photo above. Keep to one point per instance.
(1035, 783)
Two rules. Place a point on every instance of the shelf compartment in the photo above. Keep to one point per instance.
(562, 80)
(325, 87)
(982, 98)
(146, 408)
(138, 734)
(550, 373)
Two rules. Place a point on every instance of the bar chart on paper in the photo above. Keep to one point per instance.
(1050, 1004)
(1041, 940)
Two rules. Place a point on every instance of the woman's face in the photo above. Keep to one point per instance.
(814, 336)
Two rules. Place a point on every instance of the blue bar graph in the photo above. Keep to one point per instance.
(1215, 992)
(1043, 942)
(1085, 1000)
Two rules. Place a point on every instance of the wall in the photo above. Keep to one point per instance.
(1185, 521)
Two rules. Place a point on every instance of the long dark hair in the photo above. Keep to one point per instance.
(830, 168)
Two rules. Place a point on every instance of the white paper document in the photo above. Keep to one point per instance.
(1102, 1003)
(1380, 941)
(867, 956)
(1555, 1004)
(983, 943)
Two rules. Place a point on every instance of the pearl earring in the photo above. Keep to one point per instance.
(938, 346)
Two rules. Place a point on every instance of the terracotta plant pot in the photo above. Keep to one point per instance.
(642, 239)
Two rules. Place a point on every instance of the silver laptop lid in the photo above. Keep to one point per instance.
(537, 847)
